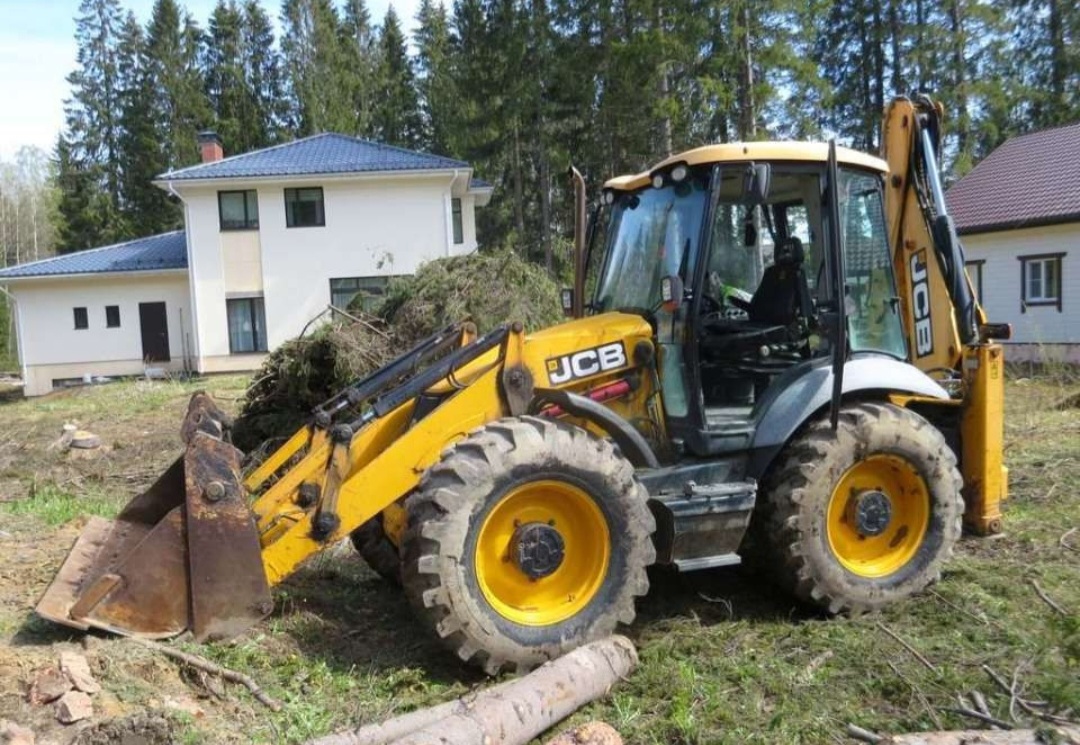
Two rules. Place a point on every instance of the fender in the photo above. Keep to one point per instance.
(629, 440)
(810, 391)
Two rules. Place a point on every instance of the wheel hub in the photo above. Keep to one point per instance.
(871, 512)
(537, 549)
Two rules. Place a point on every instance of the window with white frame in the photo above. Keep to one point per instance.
(1040, 280)
(975, 274)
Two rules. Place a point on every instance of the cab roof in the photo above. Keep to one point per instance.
(736, 152)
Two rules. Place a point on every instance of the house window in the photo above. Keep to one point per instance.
(370, 290)
(82, 318)
(1040, 280)
(304, 208)
(247, 325)
(112, 316)
(459, 234)
(975, 274)
(238, 210)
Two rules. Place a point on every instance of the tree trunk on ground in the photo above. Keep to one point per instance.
(511, 713)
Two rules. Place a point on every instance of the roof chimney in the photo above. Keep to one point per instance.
(210, 146)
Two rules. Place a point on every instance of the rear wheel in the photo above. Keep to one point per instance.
(866, 515)
(528, 538)
(375, 547)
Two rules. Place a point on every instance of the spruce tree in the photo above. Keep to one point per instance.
(90, 174)
(173, 43)
(81, 202)
(434, 78)
(360, 58)
(397, 118)
(314, 68)
(226, 87)
(262, 75)
(145, 208)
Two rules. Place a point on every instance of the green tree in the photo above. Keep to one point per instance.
(397, 119)
(360, 54)
(89, 177)
(315, 70)
(434, 76)
(173, 41)
(145, 208)
(262, 74)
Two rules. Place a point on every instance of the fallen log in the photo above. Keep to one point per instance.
(382, 733)
(511, 713)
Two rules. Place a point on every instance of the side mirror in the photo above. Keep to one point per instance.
(671, 292)
(567, 299)
(756, 183)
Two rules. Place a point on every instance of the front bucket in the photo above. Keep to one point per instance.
(183, 555)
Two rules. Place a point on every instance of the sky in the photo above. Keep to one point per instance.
(37, 51)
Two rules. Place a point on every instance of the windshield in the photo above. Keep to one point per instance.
(652, 233)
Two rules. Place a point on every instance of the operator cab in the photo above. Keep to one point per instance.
(744, 243)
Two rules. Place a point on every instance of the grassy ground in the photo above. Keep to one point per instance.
(725, 659)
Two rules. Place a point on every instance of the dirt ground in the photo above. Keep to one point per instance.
(724, 657)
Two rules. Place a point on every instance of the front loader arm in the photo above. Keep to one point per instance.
(194, 552)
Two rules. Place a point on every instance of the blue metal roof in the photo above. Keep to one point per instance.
(318, 154)
(479, 183)
(153, 253)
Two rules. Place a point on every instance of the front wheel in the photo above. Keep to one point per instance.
(528, 539)
(861, 517)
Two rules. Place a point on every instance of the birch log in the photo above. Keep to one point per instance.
(530, 705)
(511, 713)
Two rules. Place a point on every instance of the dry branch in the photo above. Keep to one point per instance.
(1047, 599)
(213, 668)
(863, 735)
(513, 712)
(1066, 736)
(918, 655)
(1064, 540)
(968, 712)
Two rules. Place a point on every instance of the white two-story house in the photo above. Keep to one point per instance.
(272, 239)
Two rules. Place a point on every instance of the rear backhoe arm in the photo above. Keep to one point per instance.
(947, 331)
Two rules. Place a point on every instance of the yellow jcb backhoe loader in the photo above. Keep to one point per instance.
(778, 337)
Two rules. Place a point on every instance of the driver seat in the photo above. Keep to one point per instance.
(783, 295)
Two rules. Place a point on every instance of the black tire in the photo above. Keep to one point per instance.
(793, 518)
(458, 494)
(376, 548)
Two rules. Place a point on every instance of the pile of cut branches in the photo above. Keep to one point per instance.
(489, 288)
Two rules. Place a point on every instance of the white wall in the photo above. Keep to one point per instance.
(374, 226)
(1041, 324)
(52, 348)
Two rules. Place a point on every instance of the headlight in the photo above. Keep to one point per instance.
(658, 181)
(679, 173)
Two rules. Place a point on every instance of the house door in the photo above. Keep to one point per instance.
(155, 332)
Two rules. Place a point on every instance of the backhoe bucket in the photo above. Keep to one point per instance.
(183, 555)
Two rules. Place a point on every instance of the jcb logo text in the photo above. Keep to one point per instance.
(920, 305)
(585, 363)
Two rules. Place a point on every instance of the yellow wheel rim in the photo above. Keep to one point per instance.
(868, 539)
(583, 530)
